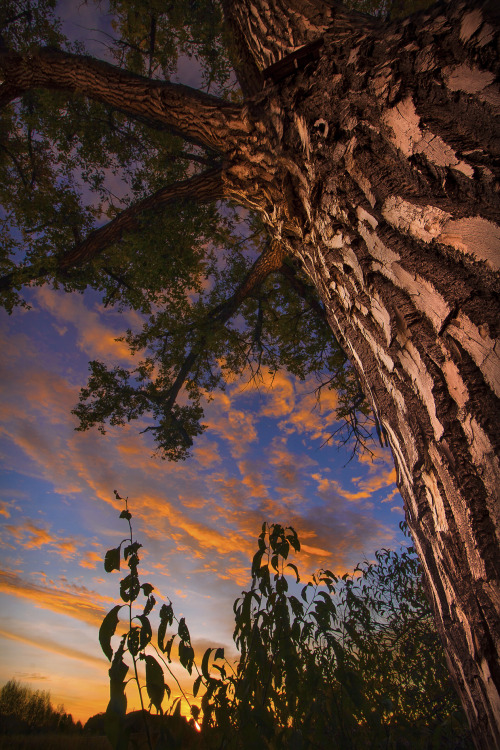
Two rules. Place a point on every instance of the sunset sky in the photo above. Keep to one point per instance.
(260, 460)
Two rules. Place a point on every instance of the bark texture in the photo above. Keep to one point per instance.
(377, 166)
(198, 117)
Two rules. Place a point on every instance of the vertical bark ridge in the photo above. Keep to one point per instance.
(393, 208)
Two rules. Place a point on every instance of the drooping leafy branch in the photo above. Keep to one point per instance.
(105, 185)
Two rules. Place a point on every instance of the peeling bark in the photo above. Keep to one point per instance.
(385, 185)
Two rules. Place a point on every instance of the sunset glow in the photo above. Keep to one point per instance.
(198, 520)
(259, 460)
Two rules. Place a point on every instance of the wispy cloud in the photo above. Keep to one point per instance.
(30, 535)
(53, 647)
(97, 329)
(78, 602)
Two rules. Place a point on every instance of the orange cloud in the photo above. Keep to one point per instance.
(77, 602)
(31, 536)
(234, 425)
(206, 452)
(90, 559)
(55, 648)
(4, 509)
(95, 337)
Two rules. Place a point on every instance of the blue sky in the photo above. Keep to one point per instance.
(260, 460)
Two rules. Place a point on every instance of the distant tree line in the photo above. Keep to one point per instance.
(24, 710)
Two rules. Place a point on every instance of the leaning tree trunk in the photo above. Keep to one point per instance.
(374, 164)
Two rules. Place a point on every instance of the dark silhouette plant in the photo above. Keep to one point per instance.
(352, 660)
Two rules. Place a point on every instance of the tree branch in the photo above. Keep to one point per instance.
(303, 289)
(203, 188)
(268, 262)
(200, 118)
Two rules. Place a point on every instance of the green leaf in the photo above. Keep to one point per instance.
(177, 709)
(107, 630)
(303, 593)
(129, 588)
(155, 682)
(186, 656)
(256, 562)
(183, 630)
(219, 654)
(149, 605)
(147, 588)
(167, 613)
(293, 539)
(133, 638)
(126, 514)
(112, 560)
(168, 647)
(131, 549)
(145, 632)
(281, 585)
(295, 569)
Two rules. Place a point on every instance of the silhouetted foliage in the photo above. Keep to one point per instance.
(353, 661)
(23, 710)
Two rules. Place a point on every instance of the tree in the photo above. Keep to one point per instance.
(25, 709)
(368, 150)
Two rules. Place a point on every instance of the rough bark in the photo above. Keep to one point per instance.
(385, 186)
(200, 118)
(372, 153)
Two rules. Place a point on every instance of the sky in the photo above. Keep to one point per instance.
(259, 460)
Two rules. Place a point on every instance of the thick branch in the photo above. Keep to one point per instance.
(268, 262)
(198, 117)
(202, 188)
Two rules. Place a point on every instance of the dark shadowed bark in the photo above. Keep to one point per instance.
(371, 152)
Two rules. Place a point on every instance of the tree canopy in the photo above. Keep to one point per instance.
(98, 196)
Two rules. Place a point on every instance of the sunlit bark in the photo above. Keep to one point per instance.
(385, 146)
(201, 118)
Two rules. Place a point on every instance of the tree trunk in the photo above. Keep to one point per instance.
(376, 168)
